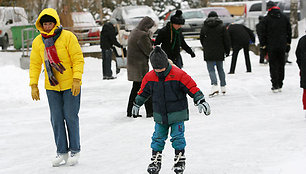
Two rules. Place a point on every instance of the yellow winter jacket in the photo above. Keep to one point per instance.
(68, 51)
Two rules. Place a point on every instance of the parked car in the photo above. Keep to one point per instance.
(285, 8)
(10, 16)
(194, 19)
(253, 11)
(128, 17)
(224, 15)
(85, 27)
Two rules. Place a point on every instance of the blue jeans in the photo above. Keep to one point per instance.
(107, 63)
(64, 109)
(212, 74)
(160, 135)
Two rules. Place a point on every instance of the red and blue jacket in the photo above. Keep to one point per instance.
(168, 92)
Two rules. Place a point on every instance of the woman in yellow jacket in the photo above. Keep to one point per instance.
(63, 61)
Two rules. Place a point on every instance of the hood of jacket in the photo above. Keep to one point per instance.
(50, 12)
(275, 13)
(212, 21)
(145, 24)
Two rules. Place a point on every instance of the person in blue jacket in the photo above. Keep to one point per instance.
(168, 86)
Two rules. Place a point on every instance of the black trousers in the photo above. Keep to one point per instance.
(246, 56)
(277, 67)
(133, 94)
(262, 55)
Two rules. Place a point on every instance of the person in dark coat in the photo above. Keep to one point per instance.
(139, 48)
(301, 61)
(168, 86)
(171, 39)
(107, 40)
(241, 36)
(216, 43)
(276, 40)
(259, 31)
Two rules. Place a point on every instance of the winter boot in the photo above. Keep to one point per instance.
(214, 90)
(223, 89)
(274, 89)
(155, 165)
(179, 162)
(60, 159)
(73, 159)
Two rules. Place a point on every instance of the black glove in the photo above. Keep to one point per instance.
(288, 48)
(192, 54)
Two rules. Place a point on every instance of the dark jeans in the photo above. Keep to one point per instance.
(64, 109)
(277, 67)
(246, 56)
(133, 94)
(107, 63)
(212, 74)
(178, 61)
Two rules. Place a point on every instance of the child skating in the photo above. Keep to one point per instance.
(168, 86)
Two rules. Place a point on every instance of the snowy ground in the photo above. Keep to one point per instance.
(250, 131)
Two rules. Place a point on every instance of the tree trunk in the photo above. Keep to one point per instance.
(294, 18)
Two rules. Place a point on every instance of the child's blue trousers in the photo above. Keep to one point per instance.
(160, 135)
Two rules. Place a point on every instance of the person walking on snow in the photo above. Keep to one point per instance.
(241, 36)
(276, 40)
(216, 44)
(262, 53)
(139, 48)
(107, 40)
(61, 54)
(171, 39)
(168, 86)
(301, 61)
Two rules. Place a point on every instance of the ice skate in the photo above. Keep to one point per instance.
(179, 163)
(73, 159)
(60, 159)
(155, 165)
(223, 90)
(214, 91)
(274, 89)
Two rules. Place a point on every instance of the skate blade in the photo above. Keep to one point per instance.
(214, 94)
(153, 172)
(58, 165)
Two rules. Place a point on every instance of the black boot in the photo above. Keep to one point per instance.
(179, 161)
(155, 165)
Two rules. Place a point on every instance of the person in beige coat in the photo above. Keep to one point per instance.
(139, 48)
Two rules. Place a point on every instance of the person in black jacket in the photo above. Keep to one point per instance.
(241, 36)
(276, 40)
(301, 61)
(216, 43)
(262, 52)
(171, 39)
(107, 40)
